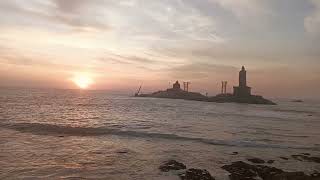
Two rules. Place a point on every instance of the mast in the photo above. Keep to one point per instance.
(137, 93)
(139, 89)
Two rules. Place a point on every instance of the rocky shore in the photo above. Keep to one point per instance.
(252, 99)
(254, 169)
(222, 98)
(176, 94)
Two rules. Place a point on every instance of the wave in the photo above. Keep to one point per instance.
(52, 129)
(294, 111)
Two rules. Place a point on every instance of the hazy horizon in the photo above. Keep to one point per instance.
(118, 45)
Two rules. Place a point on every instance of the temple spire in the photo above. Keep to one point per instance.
(243, 77)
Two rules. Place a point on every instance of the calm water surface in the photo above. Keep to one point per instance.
(71, 134)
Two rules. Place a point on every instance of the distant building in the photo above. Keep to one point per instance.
(242, 90)
(176, 86)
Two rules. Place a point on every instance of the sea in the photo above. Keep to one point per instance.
(83, 134)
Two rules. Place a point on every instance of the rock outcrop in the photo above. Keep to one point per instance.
(189, 174)
(176, 94)
(252, 99)
(256, 160)
(243, 171)
(172, 165)
(196, 174)
(225, 98)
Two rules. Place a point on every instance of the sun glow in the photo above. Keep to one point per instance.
(82, 81)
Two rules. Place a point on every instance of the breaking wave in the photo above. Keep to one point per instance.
(51, 129)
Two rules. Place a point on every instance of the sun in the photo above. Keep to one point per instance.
(82, 81)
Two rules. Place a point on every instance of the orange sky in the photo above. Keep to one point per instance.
(120, 44)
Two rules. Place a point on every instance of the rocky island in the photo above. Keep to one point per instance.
(241, 93)
(176, 93)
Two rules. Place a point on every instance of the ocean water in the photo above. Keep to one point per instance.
(73, 134)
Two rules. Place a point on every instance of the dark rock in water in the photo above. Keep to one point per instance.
(234, 153)
(291, 176)
(309, 114)
(176, 94)
(284, 158)
(242, 171)
(61, 136)
(239, 177)
(306, 154)
(300, 157)
(270, 161)
(256, 160)
(252, 99)
(196, 174)
(315, 175)
(297, 100)
(224, 98)
(314, 159)
(172, 165)
(267, 172)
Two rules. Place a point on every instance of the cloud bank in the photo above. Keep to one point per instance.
(122, 41)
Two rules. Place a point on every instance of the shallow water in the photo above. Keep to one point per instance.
(71, 134)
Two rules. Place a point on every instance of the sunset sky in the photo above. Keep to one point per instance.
(119, 44)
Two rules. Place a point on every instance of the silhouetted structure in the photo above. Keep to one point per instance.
(224, 87)
(176, 86)
(137, 93)
(242, 90)
(186, 86)
(241, 93)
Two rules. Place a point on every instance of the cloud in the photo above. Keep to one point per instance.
(75, 14)
(127, 59)
(13, 57)
(163, 22)
(71, 6)
(244, 8)
(312, 22)
(196, 71)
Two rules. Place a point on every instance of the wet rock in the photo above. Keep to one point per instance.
(291, 176)
(306, 154)
(314, 159)
(300, 157)
(256, 160)
(267, 172)
(61, 136)
(284, 158)
(315, 175)
(172, 165)
(196, 174)
(239, 177)
(240, 170)
(270, 161)
(234, 153)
